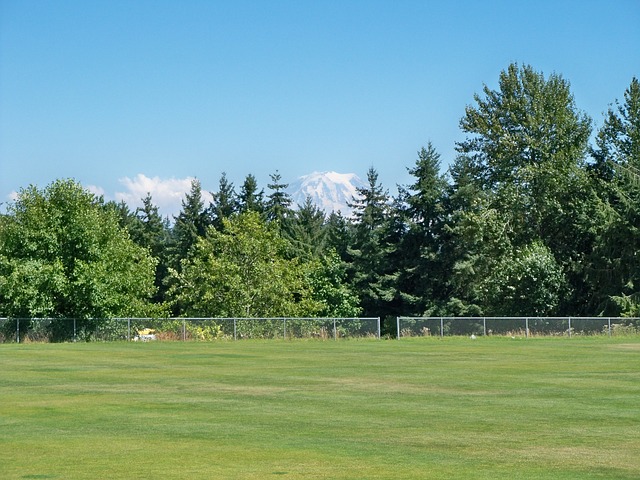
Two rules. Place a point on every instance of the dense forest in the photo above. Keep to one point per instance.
(539, 214)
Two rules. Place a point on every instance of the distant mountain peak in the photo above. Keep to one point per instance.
(329, 191)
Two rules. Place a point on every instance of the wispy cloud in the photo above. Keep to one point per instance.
(167, 194)
(12, 197)
(96, 190)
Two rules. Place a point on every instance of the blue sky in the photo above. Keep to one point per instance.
(134, 96)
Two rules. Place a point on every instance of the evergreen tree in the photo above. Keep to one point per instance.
(279, 201)
(306, 231)
(250, 199)
(190, 224)
(126, 218)
(224, 202)
(339, 233)
(614, 272)
(419, 261)
(153, 232)
(372, 276)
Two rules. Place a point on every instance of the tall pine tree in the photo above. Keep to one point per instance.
(614, 272)
(372, 275)
(279, 201)
(249, 198)
(190, 224)
(224, 202)
(421, 271)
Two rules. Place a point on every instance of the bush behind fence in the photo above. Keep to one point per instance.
(183, 329)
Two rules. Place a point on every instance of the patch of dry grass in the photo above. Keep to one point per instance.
(419, 408)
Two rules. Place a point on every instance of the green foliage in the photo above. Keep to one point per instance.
(305, 230)
(326, 278)
(63, 255)
(522, 225)
(224, 202)
(249, 198)
(523, 181)
(190, 224)
(371, 269)
(278, 201)
(418, 256)
(614, 273)
(527, 282)
(151, 231)
(242, 272)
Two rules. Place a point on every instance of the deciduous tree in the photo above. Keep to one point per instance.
(242, 271)
(527, 147)
(62, 254)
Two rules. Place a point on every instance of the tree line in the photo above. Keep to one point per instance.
(537, 215)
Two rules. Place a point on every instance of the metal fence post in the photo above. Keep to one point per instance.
(184, 329)
(526, 327)
(398, 327)
(17, 330)
(335, 331)
(235, 335)
(378, 328)
(484, 326)
(284, 328)
(441, 327)
(569, 327)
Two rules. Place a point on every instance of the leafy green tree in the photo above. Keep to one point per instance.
(527, 282)
(242, 271)
(526, 147)
(62, 254)
(477, 241)
(327, 282)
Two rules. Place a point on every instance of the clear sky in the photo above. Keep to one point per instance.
(141, 95)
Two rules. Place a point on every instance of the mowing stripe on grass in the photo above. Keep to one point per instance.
(420, 408)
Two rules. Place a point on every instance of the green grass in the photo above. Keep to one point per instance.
(492, 408)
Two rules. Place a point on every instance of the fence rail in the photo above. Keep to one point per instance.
(180, 328)
(524, 326)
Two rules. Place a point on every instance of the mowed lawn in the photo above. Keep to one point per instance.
(491, 408)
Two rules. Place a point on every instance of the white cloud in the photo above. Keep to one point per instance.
(96, 190)
(12, 197)
(167, 194)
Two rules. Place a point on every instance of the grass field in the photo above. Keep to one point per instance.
(493, 408)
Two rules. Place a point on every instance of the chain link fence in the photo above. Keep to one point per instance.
(516, 326)
(21, 330)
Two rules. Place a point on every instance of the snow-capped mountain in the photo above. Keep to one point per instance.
(329, 191)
